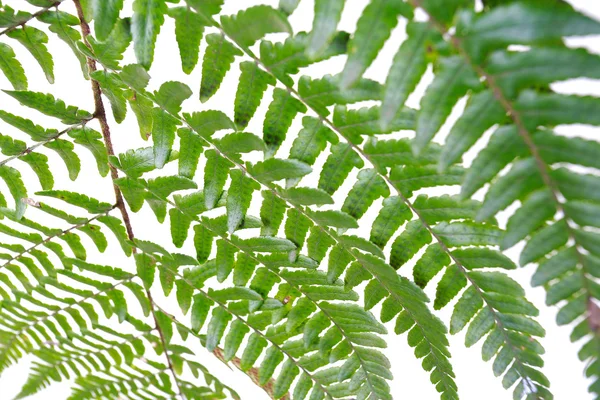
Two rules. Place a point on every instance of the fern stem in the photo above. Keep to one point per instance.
(57, 235)
(100, 115)
(32, 16)
(35, 146)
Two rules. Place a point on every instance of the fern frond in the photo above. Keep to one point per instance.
(479, 66)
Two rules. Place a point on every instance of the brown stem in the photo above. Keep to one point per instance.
(100, 115)
(32, 16)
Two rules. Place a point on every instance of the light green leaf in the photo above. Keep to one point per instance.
(482, 257)
(12, 68)
(241, 142)
(327, 17)
(407, 69)
(79, 200)
(335, 219)
(275, 169)
(219, 56)
(206, 123)
(465, 309)
(191, 146)
(428, 266)
(282, 111)
(189, 28)
(234, 338)
(92, 140)
(522, 179)
(452, 81)
(238, 198)
(110, 52)
(458, 234)
(148, 17)
(413, 238)
(534, 212)
(171, 95)
(253, 23)
(17, 189)
(544, 241)
(324, 92)
(34, 40)
(47, 104)
(267, 244)
(515, 70)
(526, 23)
(106, 14)
(200, 309)
(215, 176)
(450, 285)
(482, 111)
(365, 122)
(305, 196)
(368, 188)
(372, 30)
(391, 216)
(311, 140)
(163, 136)
(65, 150)
(39, 164)
(146, 267)
(216, 327)
(252, 85)
(342, 160)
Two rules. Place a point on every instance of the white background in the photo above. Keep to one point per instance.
(474, 377)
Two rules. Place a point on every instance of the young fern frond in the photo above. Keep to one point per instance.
(282, 275)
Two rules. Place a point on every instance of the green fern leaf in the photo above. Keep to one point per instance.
(12, 68)
(34, 40)
(239, 198)
(189, 28)
(253, 83)
(327, 17)
(372, 30)
(278, 120)
(106, 15)
(148, 17)
(407, 69)
(79, 200)
(47, 104)
(110, 52)
(450, 84)
(253, 23)
(65, 150)
(217, 61)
